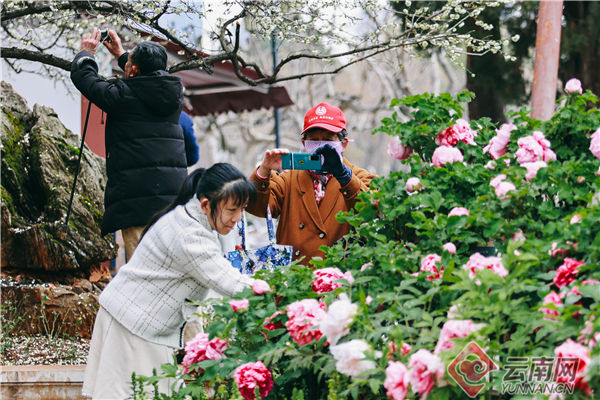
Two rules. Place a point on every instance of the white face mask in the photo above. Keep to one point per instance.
(310, 146)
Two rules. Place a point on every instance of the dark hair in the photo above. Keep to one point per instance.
(149, 57)
(218, 183)
(341, 134)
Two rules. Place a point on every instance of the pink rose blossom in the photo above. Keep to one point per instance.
(457, 211)
(428, 264)
(573, 85)
(449, 247)
(459, 132)
(336, 322)
(580, 179)
(252, 375)
(405, 348)
(397, 150)
(260, 287)
(477, 262)
(350, 357)
(503, 188)
(571, 349)
(326, 279)
(565, 274)
(239, 305)
(446, 154)
(497, 145)
(413, 184)
(396, 380)
(533, 168)
(365, 266)
(426, 370)
(200, 349)
(454, 328)
(551, 298)
(595, 144)
(368, 299)
(303, 320)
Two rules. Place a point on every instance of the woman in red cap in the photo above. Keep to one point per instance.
(307, 202)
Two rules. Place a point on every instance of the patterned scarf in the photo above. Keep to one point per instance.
(319, 183)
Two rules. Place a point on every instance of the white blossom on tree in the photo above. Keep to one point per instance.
(336, 33)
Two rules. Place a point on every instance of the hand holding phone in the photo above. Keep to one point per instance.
(305, 161)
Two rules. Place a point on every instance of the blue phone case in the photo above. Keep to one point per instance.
(301, 161)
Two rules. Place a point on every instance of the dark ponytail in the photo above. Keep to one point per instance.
(218, 183)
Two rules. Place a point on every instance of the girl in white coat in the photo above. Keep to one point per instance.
(143, 310)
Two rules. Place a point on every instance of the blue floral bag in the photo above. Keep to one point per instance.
(267, 257)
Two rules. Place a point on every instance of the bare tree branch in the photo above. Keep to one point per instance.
(23, 54)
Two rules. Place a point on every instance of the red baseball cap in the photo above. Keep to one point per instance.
(324, 116)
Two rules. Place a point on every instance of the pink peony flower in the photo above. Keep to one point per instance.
(557, 252)
(397, 150)
(269, 325)
(477, 262)
(446, 154)
(303, 319)
(426, 370)
(454, 328)
(518, 236)
(365, 266)
(571, 349)
(413, 184)
(449, 247)
(239, 305)
(565, 274)
(503, 188)
(200, 349)
(457, 211)
(595, 144)
(335, 324)
(396, 380)
(533, 168)
(534, 148)
(459, 132)
(573, 85)
(327, 277)
(453, 312)
(350, 357)
(428, 265)
(497, 145)
(260, 287)
(552, 298)
(575, 219)
(405, 348)
(251, 375)
(494, 182)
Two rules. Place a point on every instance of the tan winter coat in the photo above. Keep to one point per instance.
(302, 223)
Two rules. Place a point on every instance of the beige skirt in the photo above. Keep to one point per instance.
(114, 354)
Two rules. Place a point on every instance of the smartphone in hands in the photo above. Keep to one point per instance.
(301, 161)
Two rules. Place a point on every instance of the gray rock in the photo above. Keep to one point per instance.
(39, 159)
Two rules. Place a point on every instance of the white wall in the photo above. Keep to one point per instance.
(37, 89)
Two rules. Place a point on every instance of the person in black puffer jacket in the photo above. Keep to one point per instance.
(145, 150)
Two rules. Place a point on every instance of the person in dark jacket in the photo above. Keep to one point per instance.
(191, 147)
(145, 151)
